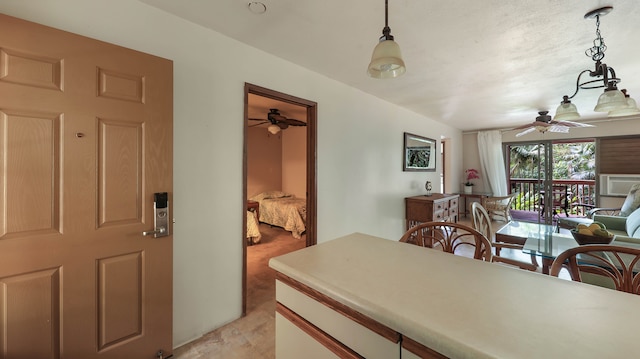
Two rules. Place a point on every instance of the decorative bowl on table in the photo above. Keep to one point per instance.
(595, 233)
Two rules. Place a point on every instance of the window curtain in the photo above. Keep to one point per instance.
(492, 161)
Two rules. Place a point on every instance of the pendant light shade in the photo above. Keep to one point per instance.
(386, 60)
(631, 107)
(566, 111)
(610, 100)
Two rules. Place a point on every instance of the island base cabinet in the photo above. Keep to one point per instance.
(292, 342)
(330, 325)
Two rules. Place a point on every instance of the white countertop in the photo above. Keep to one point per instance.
(465, 308)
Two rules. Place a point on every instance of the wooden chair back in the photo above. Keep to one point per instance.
(450, 237)
(482, 223)
(618, 264)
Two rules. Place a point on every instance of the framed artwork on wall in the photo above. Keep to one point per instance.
(419, 153)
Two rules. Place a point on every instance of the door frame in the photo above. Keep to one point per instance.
(312, 113)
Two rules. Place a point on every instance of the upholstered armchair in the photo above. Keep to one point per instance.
(631, 203)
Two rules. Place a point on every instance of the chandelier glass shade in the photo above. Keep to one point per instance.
(610, 100)
(566, 111)
(386, 60)
(630, 108)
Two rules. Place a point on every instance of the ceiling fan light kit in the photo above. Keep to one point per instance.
(277, 121)
(613, 101)
(386, 60)
(273, 129)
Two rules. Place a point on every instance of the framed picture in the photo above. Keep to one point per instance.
(419, 153)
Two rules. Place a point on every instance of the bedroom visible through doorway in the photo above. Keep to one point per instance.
(279, 178)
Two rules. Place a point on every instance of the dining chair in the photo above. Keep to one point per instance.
(482, 223)
(607, 265)
(450, 237)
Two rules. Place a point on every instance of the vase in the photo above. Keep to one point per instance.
(468, 189)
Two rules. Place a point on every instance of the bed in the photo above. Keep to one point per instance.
(284, 210)
(253, 229)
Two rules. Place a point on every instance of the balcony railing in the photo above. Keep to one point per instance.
(581, 194)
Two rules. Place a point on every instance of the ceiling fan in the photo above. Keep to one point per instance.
(543, 123)
(278, 122)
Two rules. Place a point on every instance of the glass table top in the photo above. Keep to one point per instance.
(524, 229)
(548, 244)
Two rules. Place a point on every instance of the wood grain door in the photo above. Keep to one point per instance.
(85, 141)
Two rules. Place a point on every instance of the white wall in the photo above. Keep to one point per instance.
(264, 161)
(361, 184)
(294, 161)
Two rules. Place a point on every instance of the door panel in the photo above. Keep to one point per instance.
(86, 140)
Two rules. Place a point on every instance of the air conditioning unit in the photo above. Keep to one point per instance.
(617, 185)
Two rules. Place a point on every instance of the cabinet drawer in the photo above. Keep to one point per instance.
(453, 203)
(440, 215)
(353, 335)
(453, 211)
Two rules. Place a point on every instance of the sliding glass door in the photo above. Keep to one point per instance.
(551, 178)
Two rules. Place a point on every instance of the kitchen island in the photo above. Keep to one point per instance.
(364, 296)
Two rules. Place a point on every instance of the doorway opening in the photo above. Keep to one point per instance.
(259, 104)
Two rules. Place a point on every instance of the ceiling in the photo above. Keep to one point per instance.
(470, 64)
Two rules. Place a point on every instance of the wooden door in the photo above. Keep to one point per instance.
(85, 141)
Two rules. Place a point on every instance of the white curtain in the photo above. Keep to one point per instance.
(492, 161)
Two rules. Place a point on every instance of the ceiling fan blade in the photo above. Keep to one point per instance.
(558, 129)
(276, 117)
(283, 125)
(534, 124)
(528, 130)
(257, 119)
(294, 122)
(572, 124)
(258, 124)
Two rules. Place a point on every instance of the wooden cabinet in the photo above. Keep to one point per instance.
(309, 322)
(437, 207)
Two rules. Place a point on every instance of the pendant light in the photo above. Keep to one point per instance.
(386, 60)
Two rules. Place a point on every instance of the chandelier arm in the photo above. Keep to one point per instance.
(604, 69)
(613, 75)
(578, 85)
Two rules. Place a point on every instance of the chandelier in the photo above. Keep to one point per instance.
(613, 101)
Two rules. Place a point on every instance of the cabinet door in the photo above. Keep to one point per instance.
(293, 343)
